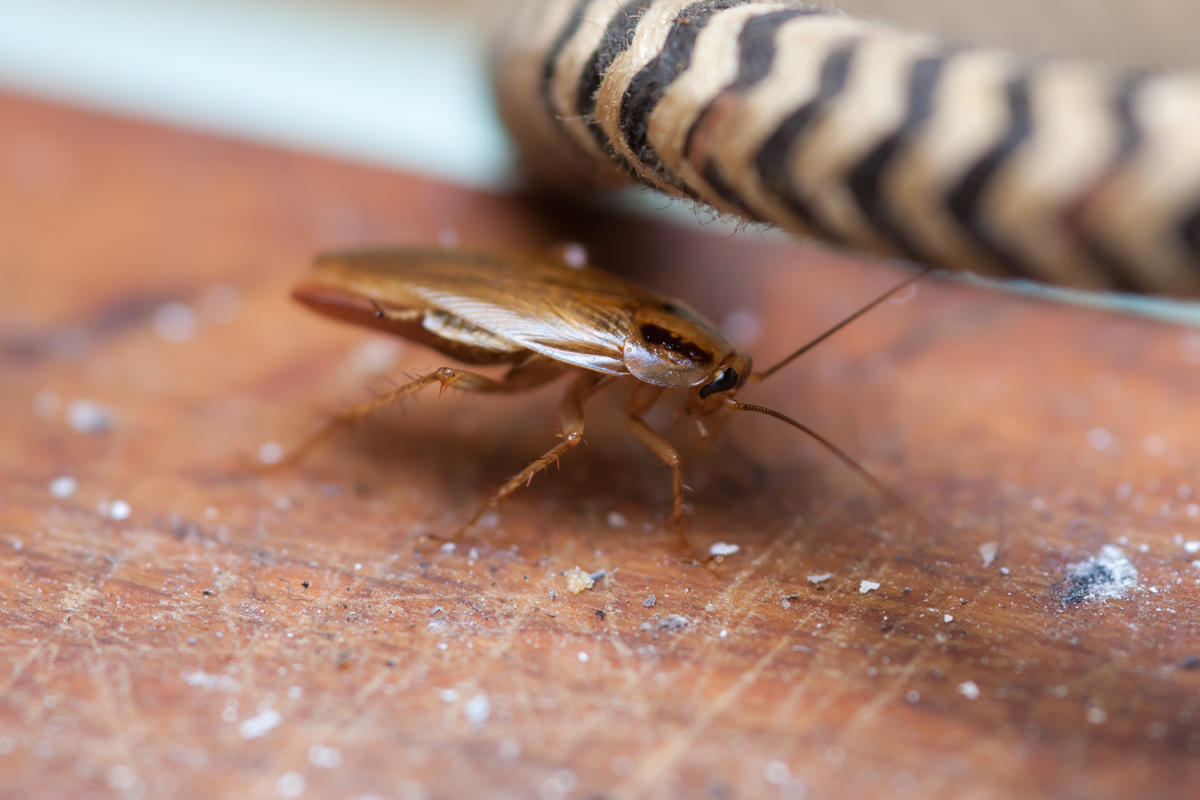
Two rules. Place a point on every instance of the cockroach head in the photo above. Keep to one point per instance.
(724, 381)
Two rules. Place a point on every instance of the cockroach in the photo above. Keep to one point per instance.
(546, 319)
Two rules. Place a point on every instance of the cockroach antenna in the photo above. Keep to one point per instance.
(842, 455)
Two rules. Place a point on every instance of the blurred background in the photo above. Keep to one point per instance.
(402, 84)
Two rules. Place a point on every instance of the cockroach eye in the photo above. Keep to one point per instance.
(726, 380)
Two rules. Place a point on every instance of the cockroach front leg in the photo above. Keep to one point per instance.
(640, 400)
(572, 435)
(521, 377)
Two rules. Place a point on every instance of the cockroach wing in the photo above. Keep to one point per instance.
(580, 317)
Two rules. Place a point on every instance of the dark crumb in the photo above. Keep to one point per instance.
(962, 601)
(1091, 577)
(1191, 662)
(207, 592)
(600, 613)
(907, 590)
(306, 584)
(886, 627)
(791, 597)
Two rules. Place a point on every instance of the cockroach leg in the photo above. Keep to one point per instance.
(641, 399)
(525, 375)
(571, 435)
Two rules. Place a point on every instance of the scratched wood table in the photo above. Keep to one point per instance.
(177, 625)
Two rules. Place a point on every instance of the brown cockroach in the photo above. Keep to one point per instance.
(546, 319)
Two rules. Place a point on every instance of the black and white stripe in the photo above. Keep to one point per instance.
(867, 136)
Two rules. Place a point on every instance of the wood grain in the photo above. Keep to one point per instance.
(298, 635)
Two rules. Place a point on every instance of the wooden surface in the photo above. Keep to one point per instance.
(298, 635)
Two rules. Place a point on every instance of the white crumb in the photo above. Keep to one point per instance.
(270, 452)
(578, 580)
(260, 724)
(969, 690)
(478, 708)
(88, 416)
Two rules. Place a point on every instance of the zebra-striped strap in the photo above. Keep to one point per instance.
(867, 136)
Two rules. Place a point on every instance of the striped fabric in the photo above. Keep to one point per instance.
(866, 136)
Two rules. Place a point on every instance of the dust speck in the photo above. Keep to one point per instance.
(969, 690)
(290, 785)
(674, 622)
(574, 255)
(1106, 576)
(62, 487)
(987, 552)
(558, 785)
(615, 519)
(174, 322)
(868, 586)
(270, 452)
(478, 708)
(1099, 438)
(260, 724)
(324, 757)
(578, 580)
(777, 773)
(373, 357)
(821, 577)
(114, 509)
(88, 416)
(723, 549)
(650, 601)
